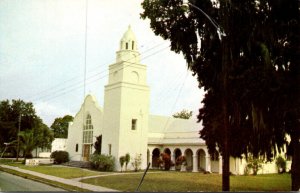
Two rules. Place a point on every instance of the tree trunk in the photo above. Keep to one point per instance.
(225, 67)
(226, 165)
(295, 164)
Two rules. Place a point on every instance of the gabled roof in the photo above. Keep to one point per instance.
(164, 130)
(89, 99)
(164, 124)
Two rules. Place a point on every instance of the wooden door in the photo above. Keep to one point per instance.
(86, 152)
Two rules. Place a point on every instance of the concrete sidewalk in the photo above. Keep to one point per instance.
(63, 180)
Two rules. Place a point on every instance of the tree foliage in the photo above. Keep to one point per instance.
(33, 132)
(253, 164)
(98, 145)
(60, 126)
(184, 114)
(165, 160)
(137, 162)
(10, 113)
(27, 143)
(262, 43)
(280, 164)
(127, 160)
(122, 161)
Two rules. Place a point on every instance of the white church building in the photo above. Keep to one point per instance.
(126, 126)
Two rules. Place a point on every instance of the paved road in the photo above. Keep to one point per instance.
(9, 182)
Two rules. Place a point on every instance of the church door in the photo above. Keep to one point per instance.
(86, 152)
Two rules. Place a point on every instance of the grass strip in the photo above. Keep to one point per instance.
(188, 181)
(58, 171)
(45, 181)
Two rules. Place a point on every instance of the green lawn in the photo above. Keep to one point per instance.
(63, 172)
(168, 181)
(59, 171)
(184, 181)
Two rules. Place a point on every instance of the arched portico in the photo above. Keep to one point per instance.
(176, 154)
(167, 151)
(155, 158)
(201, 160)
(189, 159)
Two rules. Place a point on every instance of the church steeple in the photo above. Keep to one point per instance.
(128, 41)
(128, 51)
(126, 103)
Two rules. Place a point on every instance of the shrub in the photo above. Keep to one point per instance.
(137, 162)
(181, 160)
(122, 161)
(255, 164)
(60, 157)
(127, 160)
(28, 155)
(102, 162)
(281, 164)
(166, 159)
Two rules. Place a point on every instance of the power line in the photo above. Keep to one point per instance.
(66, 90)
(58, 88)
(176, 100)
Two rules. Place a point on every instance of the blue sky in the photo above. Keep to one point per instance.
(42, 55)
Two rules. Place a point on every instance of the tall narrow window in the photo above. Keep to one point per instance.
(126, 46)
(109, 149)
(76, 148)
(133, 124)
(132, 45)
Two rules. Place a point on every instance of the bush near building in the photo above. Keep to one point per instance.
(60, 157)
(102, 162)
(281, 164)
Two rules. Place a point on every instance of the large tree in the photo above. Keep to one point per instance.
(60, 126)
(16, 115)
(248, 66)
(43, 135)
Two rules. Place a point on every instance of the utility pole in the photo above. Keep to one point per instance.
(225, 66)
(18, 147)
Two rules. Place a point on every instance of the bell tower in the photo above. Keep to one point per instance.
(126, 104)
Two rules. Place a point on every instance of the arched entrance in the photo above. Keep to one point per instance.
(177, 153)
(167, 151)
(201, 160)
(155, 158)
(189, 159)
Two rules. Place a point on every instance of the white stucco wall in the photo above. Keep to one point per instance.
(75, 130)
(59, 144)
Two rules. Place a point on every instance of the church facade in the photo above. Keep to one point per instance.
(126, 126)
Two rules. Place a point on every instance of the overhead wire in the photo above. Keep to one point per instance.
(174, 105)
(58, 88)
(80, 85)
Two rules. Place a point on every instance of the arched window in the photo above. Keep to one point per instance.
(88, 130)
(126, 45)
(132, 45)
